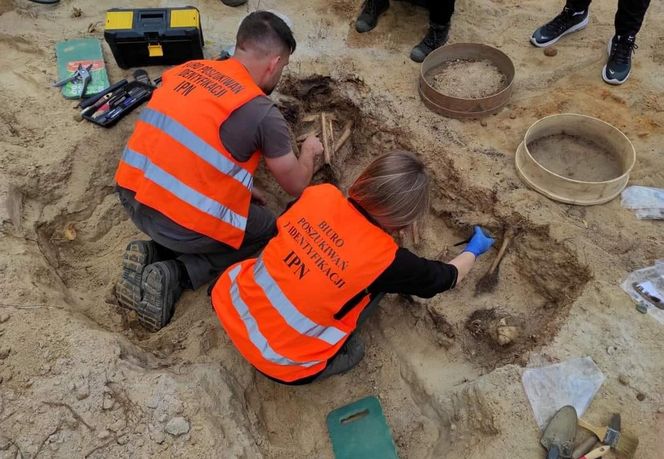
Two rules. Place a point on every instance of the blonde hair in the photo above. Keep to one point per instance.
(393, 189)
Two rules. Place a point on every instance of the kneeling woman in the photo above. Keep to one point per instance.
(292, 312)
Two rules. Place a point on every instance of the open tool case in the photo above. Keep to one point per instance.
(116, 104)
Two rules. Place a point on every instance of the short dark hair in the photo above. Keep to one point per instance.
(265, 28)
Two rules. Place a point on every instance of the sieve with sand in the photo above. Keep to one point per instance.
(575, 159)
(466, 80)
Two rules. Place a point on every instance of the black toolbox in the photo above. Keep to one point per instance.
(154, 36)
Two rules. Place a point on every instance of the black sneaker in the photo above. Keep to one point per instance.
(435, 38)
(137, 256)
(566, 22)
(161, 289)
(371, 11)
(619, 65)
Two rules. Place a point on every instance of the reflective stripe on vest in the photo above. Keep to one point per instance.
(255, 335)
(176, 161)
(289, 313)
(196, 145)
(325, 253)
(182, 191)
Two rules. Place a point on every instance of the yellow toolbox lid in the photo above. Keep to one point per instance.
(119, 20)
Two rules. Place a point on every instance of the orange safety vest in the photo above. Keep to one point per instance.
(175, 160)
(279, 309)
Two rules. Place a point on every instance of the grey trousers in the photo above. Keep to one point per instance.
(203, 257)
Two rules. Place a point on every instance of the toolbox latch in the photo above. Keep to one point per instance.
(155, 50)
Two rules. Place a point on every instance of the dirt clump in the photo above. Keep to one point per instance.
(467, 78)
(576, 157)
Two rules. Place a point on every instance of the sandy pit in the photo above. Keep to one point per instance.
(576, 157)
(80, 378)
(467, 79)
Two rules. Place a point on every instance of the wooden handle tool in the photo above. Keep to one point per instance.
(600, 432)
(599, 452)
(506, 241)
(584, 447)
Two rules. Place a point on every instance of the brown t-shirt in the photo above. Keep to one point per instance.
(257, 125)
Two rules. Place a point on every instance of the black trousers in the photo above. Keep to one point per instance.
(440, 11)
(629, 16)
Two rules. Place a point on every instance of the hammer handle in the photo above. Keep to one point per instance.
(599, 432)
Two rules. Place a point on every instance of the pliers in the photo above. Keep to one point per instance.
(82, 74)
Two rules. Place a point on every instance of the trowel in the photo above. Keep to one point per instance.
(558, 437)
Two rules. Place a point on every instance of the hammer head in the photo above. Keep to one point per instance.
(612, 435)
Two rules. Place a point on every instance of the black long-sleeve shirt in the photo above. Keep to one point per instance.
(414, 275)
(408, 274)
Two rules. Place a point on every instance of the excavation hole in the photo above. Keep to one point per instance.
(539, 277)
(413, 345)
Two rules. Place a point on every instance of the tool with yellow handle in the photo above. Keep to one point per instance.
(599, 452)
(611, 435)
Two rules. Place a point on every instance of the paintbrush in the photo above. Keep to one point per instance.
(489, 281)
(624, 444)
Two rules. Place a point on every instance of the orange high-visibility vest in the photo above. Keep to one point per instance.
(279, 309)
(175, 160)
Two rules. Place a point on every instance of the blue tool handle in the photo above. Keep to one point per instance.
(554, 452)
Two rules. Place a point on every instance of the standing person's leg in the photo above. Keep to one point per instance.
(371, 11)
(629, 16)
(573, 18)
(628, 21)
(578, 5)
(440, 11)
(440, 15)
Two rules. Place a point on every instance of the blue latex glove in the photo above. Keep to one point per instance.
(479, 243)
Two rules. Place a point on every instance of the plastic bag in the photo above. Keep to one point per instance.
(647, 201)
(646, 287)
(573, 382)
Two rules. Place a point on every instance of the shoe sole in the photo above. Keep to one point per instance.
(137, 256)
(580, 26)
(613, 81)
(156, 306)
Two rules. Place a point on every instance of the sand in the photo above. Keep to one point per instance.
(468, 79)
(576, 158)
(82, 378)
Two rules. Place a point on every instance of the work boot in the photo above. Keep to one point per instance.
(233, 2)
(619, 65)
(435, 38)
(566, 22)
(371, 11)
(137, 256)
(161, 286)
